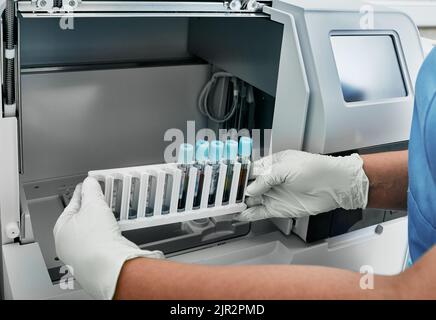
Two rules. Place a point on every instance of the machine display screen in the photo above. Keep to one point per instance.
(368, 67)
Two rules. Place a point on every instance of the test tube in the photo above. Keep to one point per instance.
(168, 188)
(245, 146)
(134, 197)
(215, 155)
(151, 195)
(186, 156)
(201, 154)
(230, 157)
(117, 195)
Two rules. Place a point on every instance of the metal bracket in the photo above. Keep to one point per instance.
(44, 4)
(70, 5)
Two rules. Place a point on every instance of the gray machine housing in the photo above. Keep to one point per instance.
(332, 124)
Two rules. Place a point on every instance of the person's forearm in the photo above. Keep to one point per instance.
(144, 278)
(419, 281)
(388, 179)
(157, 279)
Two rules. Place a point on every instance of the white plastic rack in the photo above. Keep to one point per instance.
(148, 196)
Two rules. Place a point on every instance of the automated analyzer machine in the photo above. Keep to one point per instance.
(96, 85)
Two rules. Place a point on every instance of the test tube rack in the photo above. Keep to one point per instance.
(125, 176)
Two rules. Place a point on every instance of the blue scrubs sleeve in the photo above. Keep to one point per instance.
(422, 162)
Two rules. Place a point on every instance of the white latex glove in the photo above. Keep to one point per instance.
(293, 184)
(89, 240)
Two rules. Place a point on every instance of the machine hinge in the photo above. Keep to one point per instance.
(242, 5)
(57, 5)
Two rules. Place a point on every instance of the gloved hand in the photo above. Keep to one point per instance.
(293, 184)
(89, 240)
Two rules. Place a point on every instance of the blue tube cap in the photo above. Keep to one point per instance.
(216, 151)
(245, 147)
(186, 153)
(201, 150)
(231, 150)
